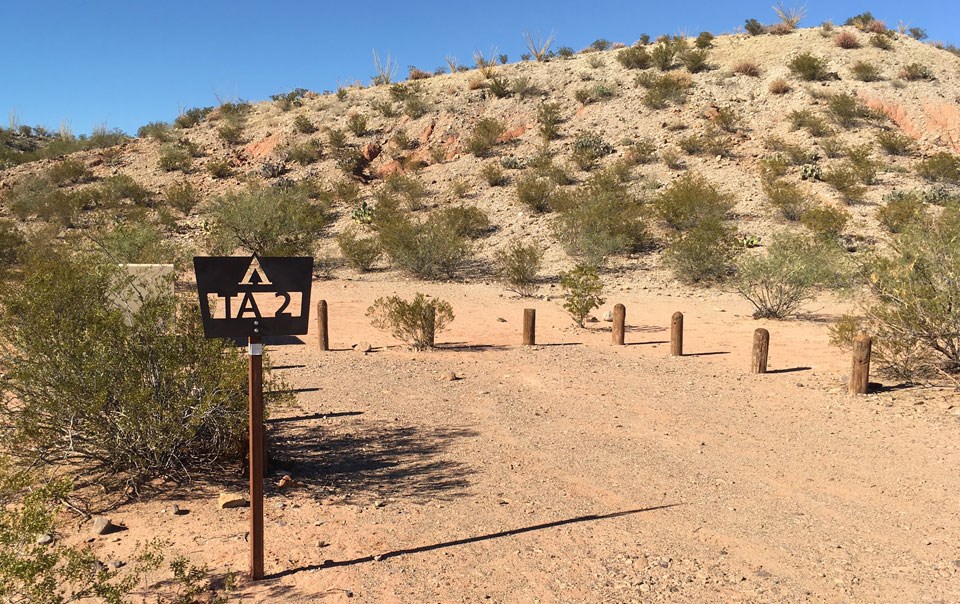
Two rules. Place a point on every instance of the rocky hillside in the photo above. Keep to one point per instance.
(808, 109)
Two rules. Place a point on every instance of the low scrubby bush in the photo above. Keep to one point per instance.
(360, 252)
(415, 322)
(690, 200)
(825, 222)
(588, 148)
(787, 198)
(635, 57)
(809, 67)
(517, 266)
(535, 192)
(582, 292)
(158, 131)
(916, 71)
(901, 210)
(182, 196)
(484, 137)
(173, 158)
(865, 72)
(548, 114)
(940, 167)
(703, 253)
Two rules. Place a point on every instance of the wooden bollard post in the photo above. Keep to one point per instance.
(431, 328)
(860, 370)
(676, 335)
(529, 326)
(323, 336)
(761, 348)
(619, 320)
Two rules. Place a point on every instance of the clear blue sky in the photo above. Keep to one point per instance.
(124, 63)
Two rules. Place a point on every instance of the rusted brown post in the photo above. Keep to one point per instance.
(860, 371)
(619, 320)
(761, 348)
(529, 326)
(676, 335)
(323, 337)
(431, 328)
(256, 457)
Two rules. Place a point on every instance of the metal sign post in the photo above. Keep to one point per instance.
(251, 298)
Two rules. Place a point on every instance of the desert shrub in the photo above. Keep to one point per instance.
(430, 250)
(847, 40)
(305, 153)
(11, 247)
(219, 169)
(640, 152)
(68, 172)
(543, 166)
(415, 322)
(267, 221)
(414, 73)
(692, 144)
(231, 133)
(485, 134)
(754, 27)
(37, 197)
(523, 87)
(593, 94)
(846, 110)
(181, 195)
(499, 86)
(288, 100)
(779, 86)
(703, 253)
(704, 40)
(600, 219)
(548, 114)
(900, 211)
(779, 281)
(940, 167)
(143, 394)
(357, 123)
(690, 200)
(158, 131)
(796, 154)
(360, 252)
(173, 158)
(122, 186)
(192, 117)
(825, 222)
(517, 266)
(787, 198)
(895, 143)
(535, 192)
(861, 161)
(582, 292)
(410, 190)
(695, 60)
(588, 148)
(865, 72)
(671, 159)
(809, 67)
(466, 221)
(916, 290)
(845, 180)
(915, 71)
(635, 57)
(881, 41)
(809, 121)
(832, 147)
(917, 33)
(664, 90)
(747, 68)
(663, 55)
(494, 175)
(303, 125)
(136, 243)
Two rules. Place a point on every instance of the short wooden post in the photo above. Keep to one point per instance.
(860, 370)
(676, 335)
(761, 348)
(619, 320)
(529, 326)
(431, 328)
(255, 412)
(323, 336)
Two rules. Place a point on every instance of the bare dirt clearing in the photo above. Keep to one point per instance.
(578, 471)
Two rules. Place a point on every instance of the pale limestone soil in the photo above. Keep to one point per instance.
(577, 471)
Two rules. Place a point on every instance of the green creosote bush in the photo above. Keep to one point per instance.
(192, 117)
(787, 198)
(158, 131)
(582, 292)
(485, 134)
(635, 57)
(139, 394)
(12, 244)
(174, 158)
(535, 192)
(866, 72)
(845, 180)
(305, 153)
(916, 71)
(267, 221)
(231, 133)
(825, 222)
(703, 253)
(548, 114)
(588, 148)
(219, 169)
(663, 55)
(641, 152)
(136, 243)
(68, 172)
(912, 311)
(288, 100)
(303, 125)
(466, 221)
(360, 252)
(847, 110)
(690, 200)
(665, 89)
(940, 167)
(182, 196)
(499, 86)
(357, 124)
(415, 322)
(704, 40)
(780, 280)
(432, 249)
(808, 121)
(894, 143)
(517, 266)
(695, 60)
(494, 175)
(809, 67)
(409, 188)
(599, 219)
(754, 27)
(114, 189)
(881, 41)
(593, 94)
(901, 210)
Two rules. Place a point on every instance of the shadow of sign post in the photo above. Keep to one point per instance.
(252, 297)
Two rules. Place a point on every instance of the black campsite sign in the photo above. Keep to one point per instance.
(253, 296)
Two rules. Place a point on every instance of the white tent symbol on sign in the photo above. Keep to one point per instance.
(255, 274)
